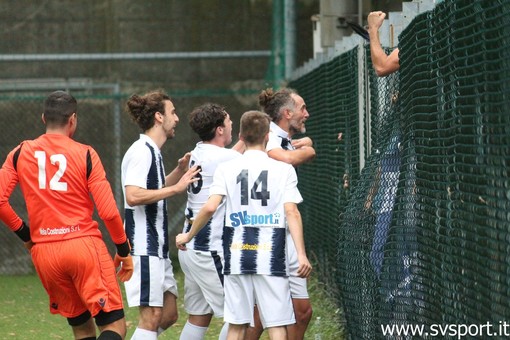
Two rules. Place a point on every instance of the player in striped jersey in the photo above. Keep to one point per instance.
(153, 287)
(57, 175)
(202, 262)
(288, 113)
(261, 195)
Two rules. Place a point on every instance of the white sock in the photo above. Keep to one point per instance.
(192, 332)
(144, 334)
(160, 330)
(223, 332)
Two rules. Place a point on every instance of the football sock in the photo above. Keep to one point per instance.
(223, 332)
(109, 335)
(192, 332)
(144, 334)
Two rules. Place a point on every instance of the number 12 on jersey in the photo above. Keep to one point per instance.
(55, 183)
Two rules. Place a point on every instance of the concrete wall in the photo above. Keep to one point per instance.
(123, 26)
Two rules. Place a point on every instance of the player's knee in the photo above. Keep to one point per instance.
(303, 313)
(254, 333)
(169, 320)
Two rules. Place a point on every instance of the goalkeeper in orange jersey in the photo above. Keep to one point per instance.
(58, 176)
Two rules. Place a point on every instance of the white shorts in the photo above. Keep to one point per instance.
(203, 282)
(152, 277)
(298, 285)
(273, 300)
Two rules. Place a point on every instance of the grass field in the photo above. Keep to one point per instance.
(24, 313)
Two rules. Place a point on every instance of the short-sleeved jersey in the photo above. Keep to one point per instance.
(208, 156)
(57, 175)
(256, 188)
(146, 225)
(278, 138)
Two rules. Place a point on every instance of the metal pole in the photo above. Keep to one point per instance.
(290, 37)
(134, 56)
(117, 134)
(360, 12)
(277, 43)
(363, 102)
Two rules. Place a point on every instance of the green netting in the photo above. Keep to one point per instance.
(422, 235)
(331, 96)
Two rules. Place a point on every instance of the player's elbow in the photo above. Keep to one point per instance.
(135, 195)
(132, 201)
(209, 210)
(390, 65)
(381, 71)
(312, 154)
(291, 210)
(307, 155)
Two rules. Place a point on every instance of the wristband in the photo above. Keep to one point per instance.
(23, 232)
(123, 249)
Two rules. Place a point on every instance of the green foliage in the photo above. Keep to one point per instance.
(327, 320)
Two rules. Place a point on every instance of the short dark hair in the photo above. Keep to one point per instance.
(58, 107)
(205, 118)
(272, 102)
(143, 108)
(254, 127)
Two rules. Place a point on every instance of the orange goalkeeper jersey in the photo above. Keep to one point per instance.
(57, 176)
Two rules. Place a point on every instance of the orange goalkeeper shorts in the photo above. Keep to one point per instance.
(78, 275)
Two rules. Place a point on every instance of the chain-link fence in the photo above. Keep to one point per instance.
(419, 234)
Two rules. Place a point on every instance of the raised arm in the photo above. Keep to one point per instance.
(383, 64)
